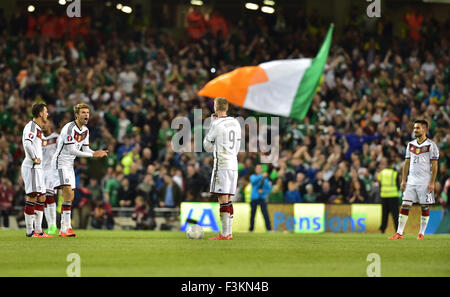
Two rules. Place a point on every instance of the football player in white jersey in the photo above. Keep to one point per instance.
(31, 171)
(418, 178)
(48, 150)
(73, 142)
(224, 139)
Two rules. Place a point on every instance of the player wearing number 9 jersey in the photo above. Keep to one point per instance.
(419, 175)
(224, 140)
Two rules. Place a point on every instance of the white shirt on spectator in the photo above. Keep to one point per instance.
(127, 81)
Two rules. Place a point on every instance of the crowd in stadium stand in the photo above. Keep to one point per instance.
(138, 79)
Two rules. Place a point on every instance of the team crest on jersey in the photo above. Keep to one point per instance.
(31, 136)
(44, 142)
(419, 150)
(79, 137)
(69, 138)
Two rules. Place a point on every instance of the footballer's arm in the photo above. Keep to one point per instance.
(95, 154)
(86, 154)
(29, 148)
(405, 173)
(434, 170)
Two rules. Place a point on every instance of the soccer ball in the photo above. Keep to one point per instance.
(194, 232)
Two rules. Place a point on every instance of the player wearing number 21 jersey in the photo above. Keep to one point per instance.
(419, 174)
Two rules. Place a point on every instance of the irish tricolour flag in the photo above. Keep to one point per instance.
(280, 87)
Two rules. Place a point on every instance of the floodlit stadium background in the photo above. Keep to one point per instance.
(139, 65)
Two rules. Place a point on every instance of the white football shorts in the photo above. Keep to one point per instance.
(63, 177)
(418, 194)
(49, 179)
(224, 181)
(33, 179)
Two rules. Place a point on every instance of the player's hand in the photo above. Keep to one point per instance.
(100, 154)
(431, 188)
(37, 161)
(403, 186)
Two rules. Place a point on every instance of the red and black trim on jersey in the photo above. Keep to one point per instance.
(50, 141)
(417, 150)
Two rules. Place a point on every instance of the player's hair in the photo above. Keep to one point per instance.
(37, 108)
(422, 122)
(78, 107)
(221, 104)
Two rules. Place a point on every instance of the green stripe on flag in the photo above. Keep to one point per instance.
(310, 80)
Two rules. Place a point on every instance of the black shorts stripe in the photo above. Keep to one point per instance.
(33, 180)
(61, 177)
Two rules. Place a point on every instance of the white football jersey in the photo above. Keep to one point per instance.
(48, 149)
(32, 133)
(420, 156)
(225, 136)
(71, 135)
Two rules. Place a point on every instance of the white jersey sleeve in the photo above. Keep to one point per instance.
(408, 153)
(434, 152)
(210, 138)
(32, 144)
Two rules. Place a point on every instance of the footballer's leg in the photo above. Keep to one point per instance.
(39, 214)
(30, 201)
(226, 215)
(50, 204)
(66, 212)
(402, 219)
(425, 199)
(409, 197)
(225, 211)
(50, 213)
(424, 220)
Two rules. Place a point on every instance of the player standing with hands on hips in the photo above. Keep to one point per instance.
(224, 139)
(73, 142)
(418, 177)
(31, 171)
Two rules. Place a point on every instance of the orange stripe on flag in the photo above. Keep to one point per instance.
(233, 85)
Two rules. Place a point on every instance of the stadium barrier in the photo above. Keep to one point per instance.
(308, 218)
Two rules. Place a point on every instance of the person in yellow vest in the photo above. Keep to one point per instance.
(388, 178)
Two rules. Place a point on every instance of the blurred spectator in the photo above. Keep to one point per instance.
(325, 193)
(339, 187)
(196, 23)
(144, 221)
(357, 193)
(81, 207)
(193, 184)
(102, 215)
(277, 195)
(170, 193)
(112, 187)
(310, 196)
(292, 194)
(6, 201)
(126, 194)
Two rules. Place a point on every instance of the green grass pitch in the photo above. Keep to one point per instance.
(147, 253)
